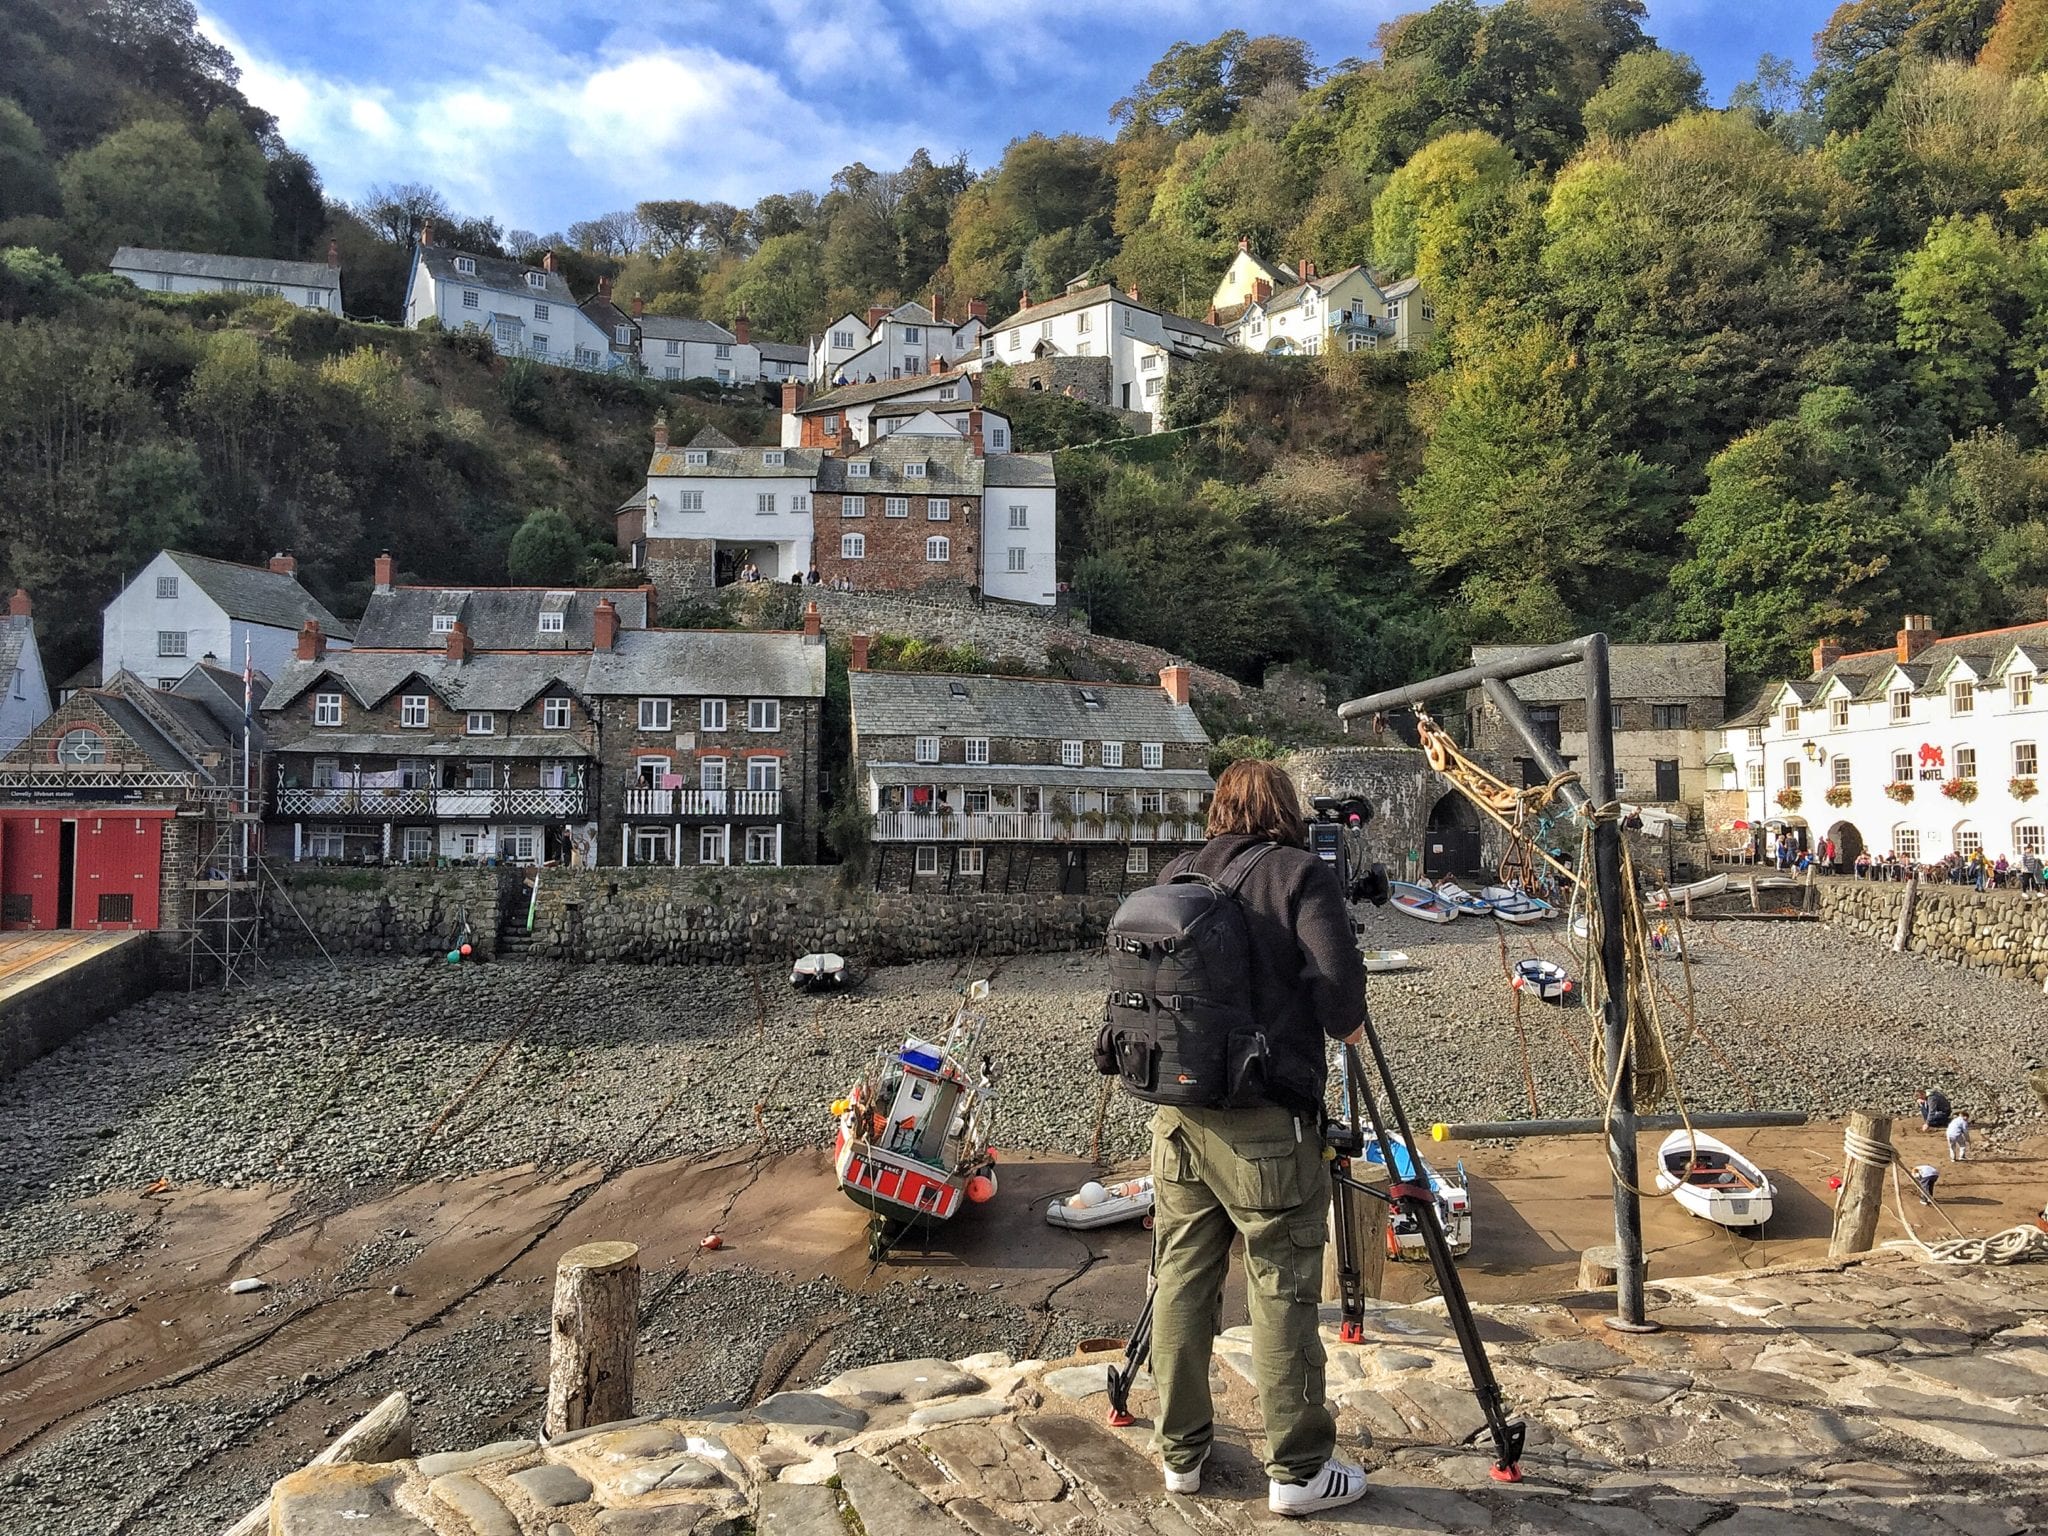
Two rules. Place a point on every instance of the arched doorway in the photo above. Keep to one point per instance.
(1450, 843)
(1848, 843)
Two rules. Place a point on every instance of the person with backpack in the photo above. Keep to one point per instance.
(1228, 979)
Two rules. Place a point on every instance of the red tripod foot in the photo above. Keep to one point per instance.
(1122, 1420)
(1505, 1474)
(1350, 1333)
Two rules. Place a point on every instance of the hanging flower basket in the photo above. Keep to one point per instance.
(1837, 795)
(1964, 790)
(1789, 799)
(1901, 791)
(2023, 789)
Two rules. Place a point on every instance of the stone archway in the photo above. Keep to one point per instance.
(1450, 839)
(1848, 843)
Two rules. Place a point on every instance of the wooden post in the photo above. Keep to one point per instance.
(1861, 1199)
(1368, 1236)
(1599, 1267)
(1904, 935)
(382, 1434)
(596, 1325)
(1754, 904)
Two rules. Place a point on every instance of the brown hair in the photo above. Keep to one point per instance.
(1257, 799)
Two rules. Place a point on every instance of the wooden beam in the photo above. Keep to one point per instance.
(596, 1325)
(1861, 1199)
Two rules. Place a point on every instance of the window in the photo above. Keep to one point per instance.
(327, 709)
(912, 335)
(853, 506)
(857, 470)
(764, 773)
(170, 642)
(470, 299)
(1756, 775)
(711, 845)
(82, 748)
(551, 623)
(1149, 362)
(937, 509)
(970, 861)
(671, 373)
(1151, 389)
(1838, 714)
(764, 501)
(1838, 771)
(1620, 781)
(842, 340)
(896, 506)
(711, 774)
(412, 711)
(1902, 767)
(696, 456)
(2027, 838)
(1151, 755)
(938, 549)
(1614, 718)
(415, 773)
(799, 503)
(2019, 687)
(1969, 841)
(772, 458)
(761, 845)
(1966, 762)
(654, 714)
(689, 501)
(853, 546)
(443, 623)
(1017, 557)
(1756, 735)
(1070, 754)
(927, 860)
(1084, 322)
(167, 586)
(1016, 340)
(1020, 517)
(1791, 719)
(326, 772)
(1138, 861)
(1667, 717)
(623, 335)
(711, 714)
(418, 846)
(764, 714)
(671, 349)
(722, 351)
(977, 750)
(2026, 761)
(465, 265)
(1902, 704)
(536, 280)
(927, 749)
(1791, 773)
(977, 802)
(915, 470)
(482, 723)
(1962, 697)
(1906, 840)
(540, 312)
(998, 438)
(554, 714)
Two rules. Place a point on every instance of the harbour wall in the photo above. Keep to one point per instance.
(1984, 930)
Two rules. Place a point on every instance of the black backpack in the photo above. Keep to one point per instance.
(1179, 1027)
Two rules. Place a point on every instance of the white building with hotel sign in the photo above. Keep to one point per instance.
(1929, 747)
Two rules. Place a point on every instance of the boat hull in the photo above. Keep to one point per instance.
(1421, 903)
(1543, 979)
(1512, 906)
(1378, 960)
(897, 1188)
(1723, 1186)
(1127, 1201)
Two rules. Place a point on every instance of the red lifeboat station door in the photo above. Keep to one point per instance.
(105, 867)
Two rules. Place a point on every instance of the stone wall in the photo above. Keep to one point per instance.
(1985, 930)
(681, 566)
(400, 911)
(1398, 782)
(40, 1012)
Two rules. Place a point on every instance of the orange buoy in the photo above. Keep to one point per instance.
(981, 1189)
(466, 951)
(712, 1243)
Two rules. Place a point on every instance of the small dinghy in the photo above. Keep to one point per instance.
(1099, 1205)
(1542, 978)
(1512, 904)
(821, 973)
(1420, 901)
(1713, 1180)
(1387, 960)
(1661, 897)
(1453, 1201)
(1467, 904)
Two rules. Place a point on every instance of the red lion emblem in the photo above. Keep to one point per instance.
(1930, 755)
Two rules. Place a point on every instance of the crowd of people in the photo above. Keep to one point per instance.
(1986, 874)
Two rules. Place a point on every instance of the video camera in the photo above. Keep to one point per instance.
(1332, 821)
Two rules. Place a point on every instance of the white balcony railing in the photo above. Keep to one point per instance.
(1027, 827)
(371, 802)
(703, 802)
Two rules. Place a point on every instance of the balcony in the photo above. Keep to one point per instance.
(688, 804)
(376, 804)
(1028, 827)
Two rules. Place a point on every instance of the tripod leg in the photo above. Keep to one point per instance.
(1122, 1377)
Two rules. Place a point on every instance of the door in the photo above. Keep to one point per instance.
(119, 864)
(67, 872)
(1127, 397)
(1667, 779)
(1074, 878)
(28, 872)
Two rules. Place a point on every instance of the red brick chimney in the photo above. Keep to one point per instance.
(1244, 243)
(312, 644)
(604, 626)
(604, 288)
(974, 430)
(1261, 290)
(661, 434)
(459, 649)
(283, 564)
(742, 328)
(814, 624)
(1174, 680)
(1307, 269)
(936, 365)
(547, 261)
(1024, 300)
(426, 232)
(639, 305)
(1212, 317)
(937, 306)
(1131, 293)
(334, 254)
(386, 568)
(18, 606)
(1826, 654)
(1918, 634)
(858, 661)
(977, 309)
(875, 313)
(792, 395)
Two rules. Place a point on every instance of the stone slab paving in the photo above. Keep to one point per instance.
(1879, 1397)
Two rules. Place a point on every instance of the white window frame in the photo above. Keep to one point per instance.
(914, 470)
(167, 587)
(480, 722)
(927, 859)
(1902, 767)
(764, 775)
(442, 623)
(1791, 719)
(1962, 697)
(938, 509)
(551, 624)
(2026, 760)
(772, 458)
(711, 714)
(689, 501)
(1020, 559)
(2027, 837)
(969, 862)
(761, 845)
(656, 714)
(1838, 714)
(938, 550)
(536, 279)
(1112, 754)
(764, 714)
(853, 546)
(1151, 754)
(895, 506)
(1906, 843)
(173, 643)
(711, 773)
(764, 501)
(998, 437)
(466, 266)
(711, 845)
(696, 457)
(1138, 860)
(974, 749)
(1965, 760)
(1902, 705)
(1072, 754)
(671, 349)
(554, 714)
(1756, 775)
(853, 506)
(327, 709)
(541, 312)
(1020, 517)
(926, 749)
(414, 711)
(471, 299)
(857, 469)
(1838, 770)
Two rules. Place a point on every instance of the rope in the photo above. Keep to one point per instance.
(2015, 1245)
(1859, 1148)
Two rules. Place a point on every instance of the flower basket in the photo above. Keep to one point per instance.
(1790, 799)
(1963, 790)
(1837, 795)
(2023, 789)
(1901, 791)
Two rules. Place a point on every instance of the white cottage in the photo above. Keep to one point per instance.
(526, 311)
(24, 690)
(308, 284)
(182, 608)
(1108, 347)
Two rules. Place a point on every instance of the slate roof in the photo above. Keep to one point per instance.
(783, 351)
(1086, 298)
(491, 272)
(937, 703)
(914, 313)
(15, 634)
(725, 459)
(1402, 289)
(882, 389)
(1289, 297)
(1867, 674)
(240, 269)
(257, 594)
(1683, 671)
(1018, 469)
(951, 467)
(219, 692)
(1039, 774)
(175, 733)
(496, 618)
(513, 744)
(155, 742)
(684, 328)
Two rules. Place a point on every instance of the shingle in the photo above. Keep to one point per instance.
(492, 680)
(258, 594)
(925, 704)
(1018, 469)
(1677, 672)
(726, 460)
(15, 633)
(240, 269)
(783, 352)
(146, 734)
(496, 618)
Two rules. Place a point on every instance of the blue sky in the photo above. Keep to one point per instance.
(540, 114)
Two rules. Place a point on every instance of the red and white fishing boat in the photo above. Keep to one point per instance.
(913, 1133)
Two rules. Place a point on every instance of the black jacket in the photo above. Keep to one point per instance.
(1308, 978)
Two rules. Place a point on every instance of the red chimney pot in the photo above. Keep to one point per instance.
(1174, 680)
(547, 261)
(974, 430)
(459, 648)
(639, 305)
(660, 433)
(386, 569)
(858, 661)
(19, 606)
(312, 644)
(604, 626)
(334, 254)
(814, 624)
(283, 564)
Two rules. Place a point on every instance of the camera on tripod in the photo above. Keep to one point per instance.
(1332, 820)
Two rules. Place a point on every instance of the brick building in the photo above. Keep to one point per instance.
(1026, 784)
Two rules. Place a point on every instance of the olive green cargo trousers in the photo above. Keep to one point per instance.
(1216, 1173)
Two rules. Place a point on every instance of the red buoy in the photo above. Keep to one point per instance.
(712, 1243)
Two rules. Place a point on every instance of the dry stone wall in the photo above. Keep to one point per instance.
(1985, 930)
(403, 911)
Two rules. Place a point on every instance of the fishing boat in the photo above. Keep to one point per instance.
(1542, 978)
(1662, 896)
(1512, 904)
(1713, 1180)
(913, 1144)
(1467, 904)
(821, 973)
(1453, 1201)
(1387, 960)
(1100, 1205)
(1420, 901)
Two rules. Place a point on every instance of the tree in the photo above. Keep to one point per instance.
(298, 208)
(781, 288)
(609, 234)
(1429, 210)
(1201, 87)
(2018, 44)
(1648, 89)
(398, 210)
(1866, 45)
(156, 183)
(546, 551)
(1961, 306)
(27, 184)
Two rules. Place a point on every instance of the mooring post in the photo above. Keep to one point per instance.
(1868, 1144)
(1903, 935)
(596, 1326)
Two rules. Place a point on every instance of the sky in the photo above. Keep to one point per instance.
(542, 114)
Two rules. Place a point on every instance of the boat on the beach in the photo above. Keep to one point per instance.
(1662, 896)
(913, 1139)
(1467, 904)
(1453, 1201)
(1100, 1205)
(1387, 960)
(1420, 901)
(1713, 1180)
(821, 973)
(1512, 904)
(1542, 978)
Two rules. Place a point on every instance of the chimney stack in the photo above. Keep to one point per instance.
(974, 430)
(1131, 293)
(1024, 300)
(639, 305)
(814, 625)
(604, 288)
(547, 260)
(742, 328)
(875, 313)
(426, 232)
(792, 395)
(937, 306)
(1244, 243)
(1174, 680)
(1307, 270)
(312, 644)
(977, 309)
(661, 434)
(283, 564)
(1918, 634)
(459, 649)
(386, 569)
(604, 626)
(936, 365)
(1826, 654)
(1261, 290)
(18, 606)
(858, 661)
(334, 254)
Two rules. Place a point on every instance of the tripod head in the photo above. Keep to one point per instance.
(1332, 821)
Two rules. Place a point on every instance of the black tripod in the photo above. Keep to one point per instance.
(1408, 1195)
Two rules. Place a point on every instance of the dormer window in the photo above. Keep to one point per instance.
(772, 458)
(2019, 689)
(536, 279)
(1962, 697)
(1791, 719)
(623, 335)
(857, 470)
(551, 623)
(465, 266)
(443, 622)
(1902, 705)
(915, 470)
(696, 457)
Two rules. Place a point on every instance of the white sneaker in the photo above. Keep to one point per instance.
(1189, 1481)
(1339, 1483)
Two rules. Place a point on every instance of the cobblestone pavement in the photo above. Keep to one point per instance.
(1881, 1396)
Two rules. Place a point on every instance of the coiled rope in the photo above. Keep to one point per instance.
(2015, 1245)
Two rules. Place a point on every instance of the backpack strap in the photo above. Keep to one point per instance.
(1233, 875)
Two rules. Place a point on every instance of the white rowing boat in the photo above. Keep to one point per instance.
(1713, 1180)
(1542, 978)
(1467, 904)
(1419, 901)
(1677, 895)
(1512, 904)
(1387, 960)
(1099, 1205)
